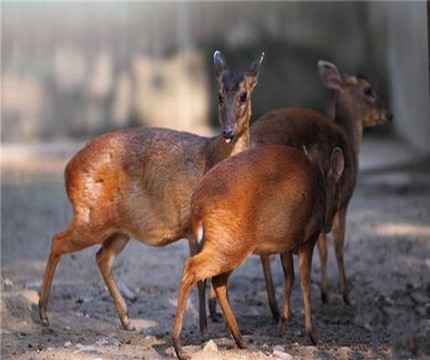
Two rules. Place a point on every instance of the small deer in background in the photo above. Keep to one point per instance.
(137, 183)
(266, 200)
(356, 105)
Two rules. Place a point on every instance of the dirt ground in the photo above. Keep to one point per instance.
(387, 260)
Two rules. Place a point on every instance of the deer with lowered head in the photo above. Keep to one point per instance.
(137, 183)
(356, 106)
(266, 200)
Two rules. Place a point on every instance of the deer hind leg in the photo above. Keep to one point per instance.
(188, 280)
(73, 239)
(105, 258)
(322, 247)
(212, 304)
(199, 267)
(305, 265)
(220, 286)
(196, 269)
(338, 231)
(288, 268)
(201, 286)
(270, 288)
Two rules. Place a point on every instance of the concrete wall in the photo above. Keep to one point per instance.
(406, 55)
(73, 69)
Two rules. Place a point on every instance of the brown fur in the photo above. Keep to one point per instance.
(137, 183)
(265, 200)
(355, 106)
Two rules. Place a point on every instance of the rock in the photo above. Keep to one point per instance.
(8, 282)
(150, 338)
(111, 339)
(265, 347)
(210, 346)
(279, 353)
(345, 352)
(67, 344)
(85, 348)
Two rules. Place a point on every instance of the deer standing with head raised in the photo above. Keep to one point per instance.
(137, 183)
(356, 106)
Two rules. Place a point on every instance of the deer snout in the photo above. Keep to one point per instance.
(386, 117)
(228, 133)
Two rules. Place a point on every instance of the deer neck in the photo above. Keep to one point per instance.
(348, 119)
(221, 150)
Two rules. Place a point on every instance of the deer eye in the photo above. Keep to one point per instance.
(368, 91)
(220, 99)
(243, 97)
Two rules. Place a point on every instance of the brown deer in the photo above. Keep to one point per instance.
(266, 200)
(137, 183)
(356, 105)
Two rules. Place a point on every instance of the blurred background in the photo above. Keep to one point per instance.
(73, 70)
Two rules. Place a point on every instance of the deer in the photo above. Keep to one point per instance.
(265, 200)
(356, 106)
(138, 182)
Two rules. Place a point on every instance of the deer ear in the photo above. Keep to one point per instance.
(219, 62)
(255, 67)
(336, 164)
(330, 75)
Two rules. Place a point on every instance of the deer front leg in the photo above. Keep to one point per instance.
(270, 288)
(305, 264)
(338, 231)
(322, 247)
(105, 257)
(288, 268)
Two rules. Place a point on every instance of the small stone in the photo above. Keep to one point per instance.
(210, 346)
(85, 348)
(111, 339)
(279, 353)
(8, 282)
(265, 346)
(150, 338)
(67, 344)
(170, 351)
